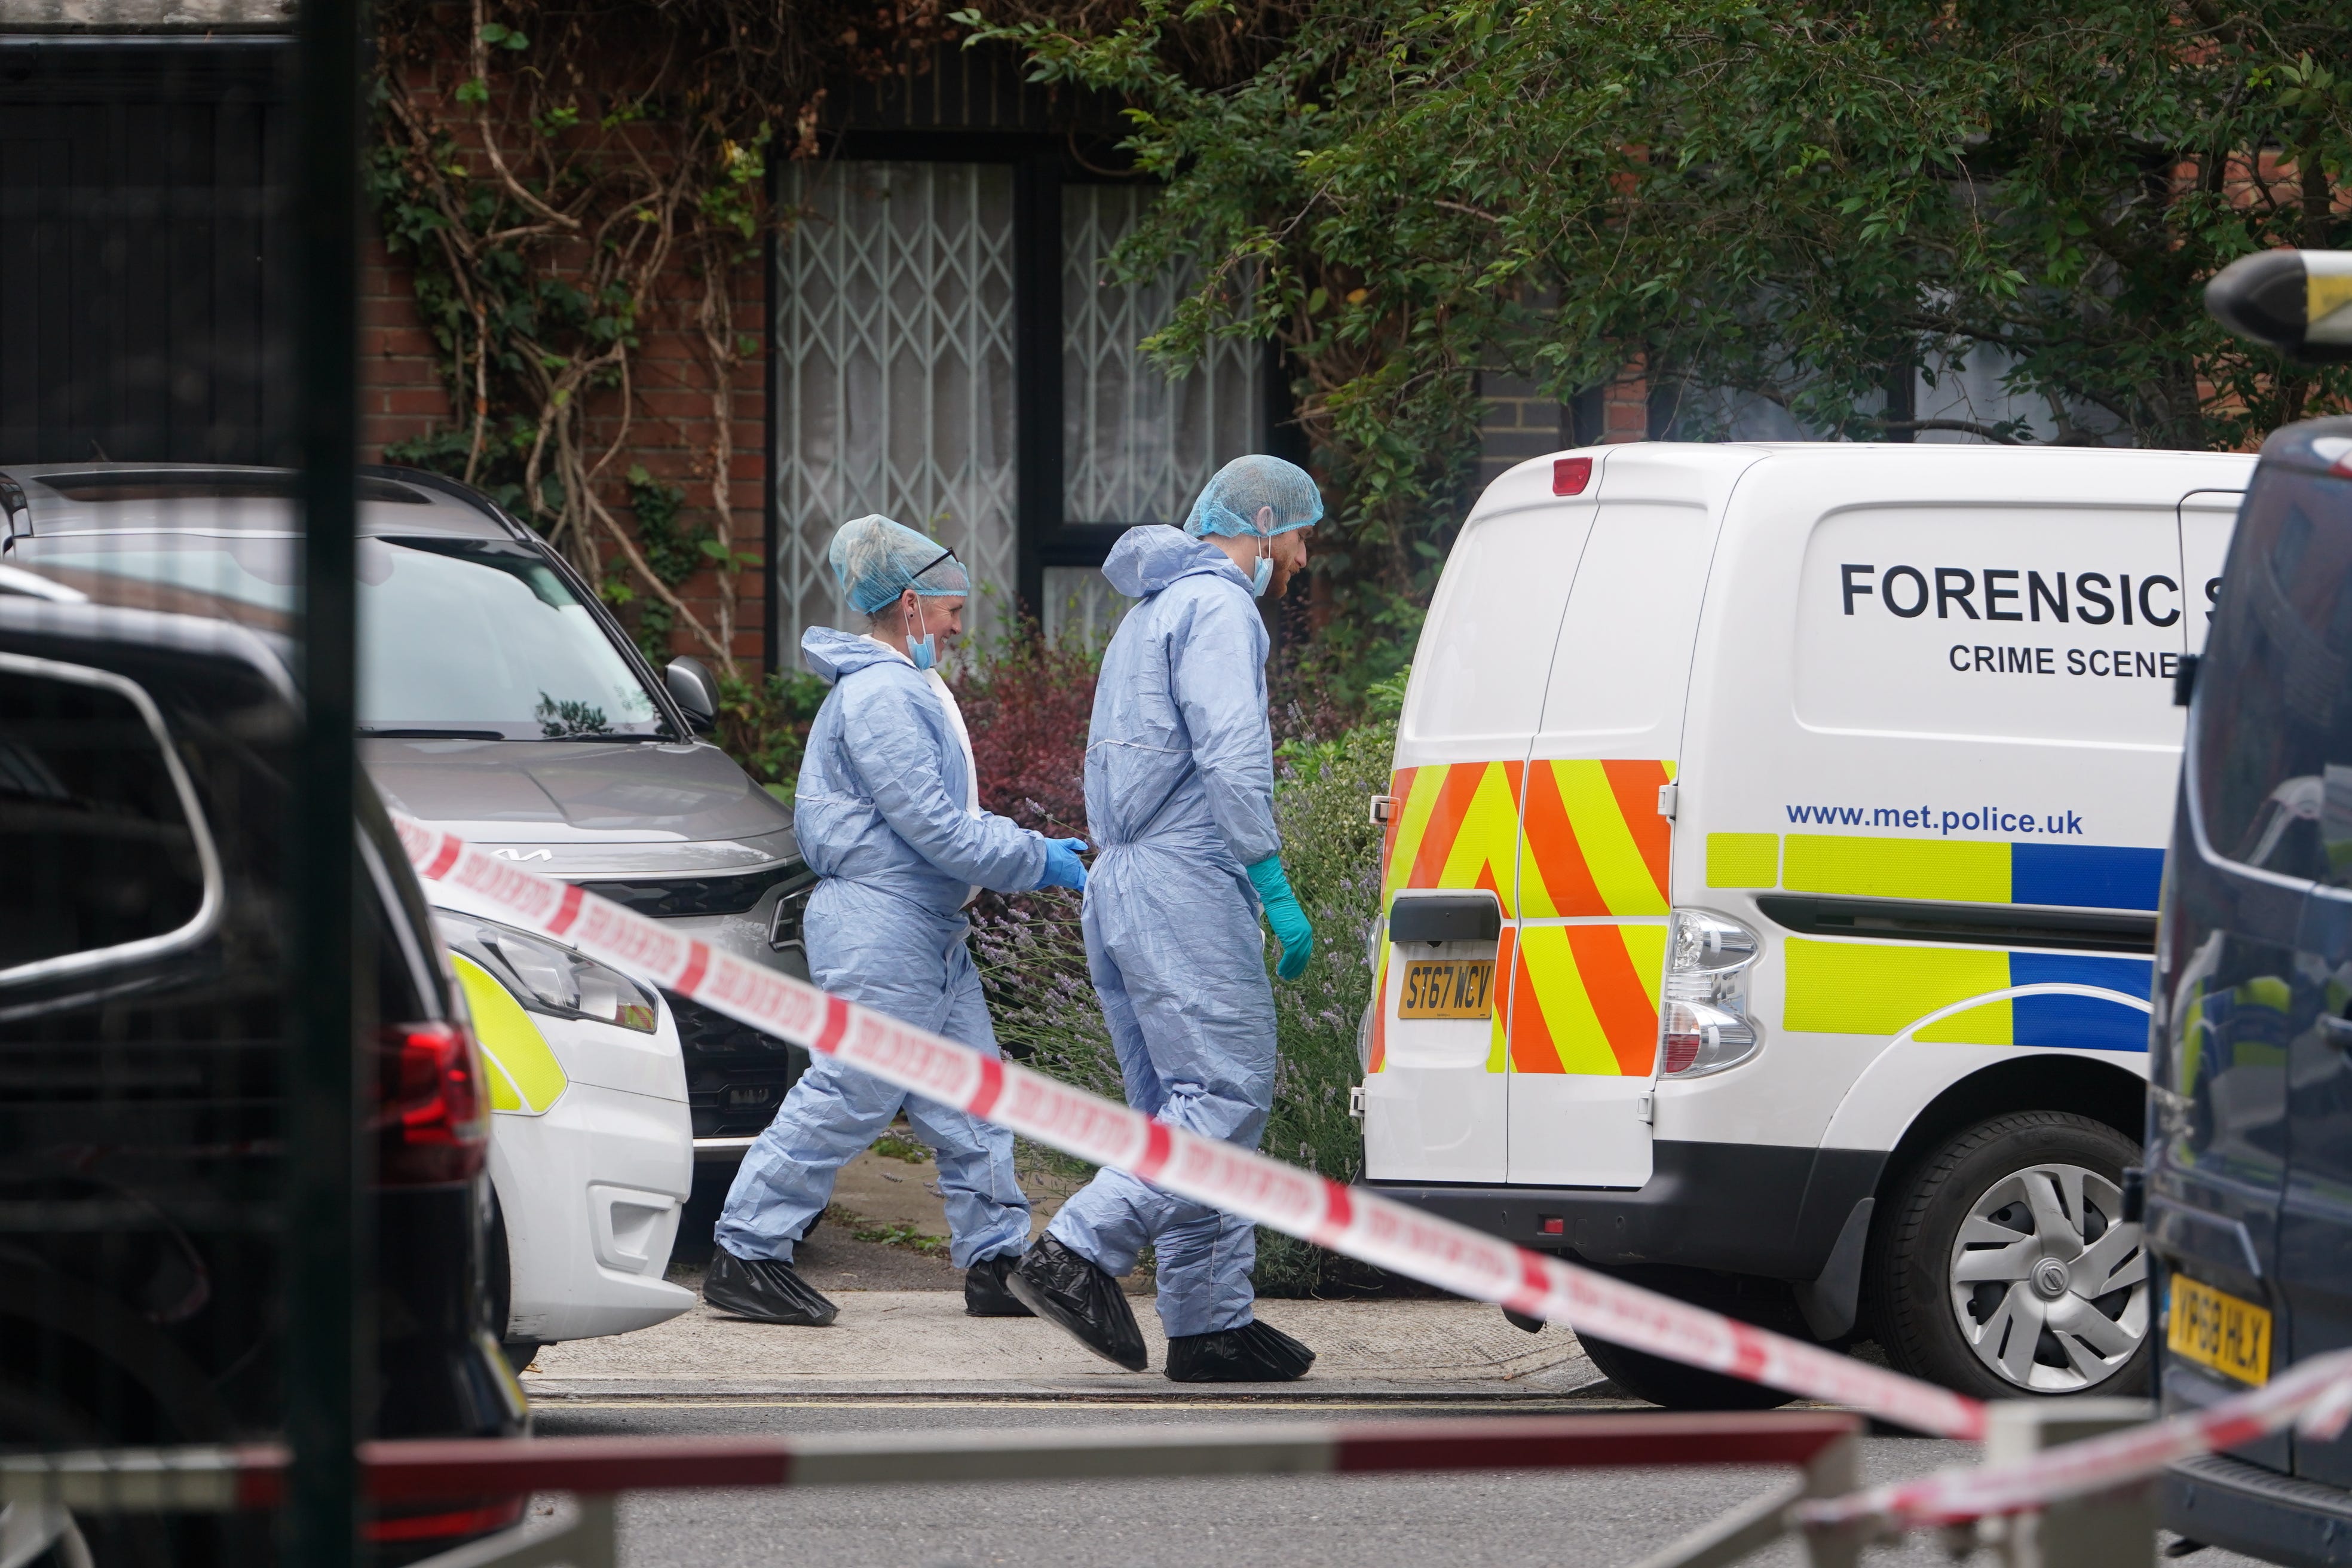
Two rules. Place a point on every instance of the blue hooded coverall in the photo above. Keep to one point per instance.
(1180, 798)
(881, 816)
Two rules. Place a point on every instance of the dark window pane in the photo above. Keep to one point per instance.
(92, 827)
(2273, 768)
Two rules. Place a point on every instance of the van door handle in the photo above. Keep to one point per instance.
(2338, 1032)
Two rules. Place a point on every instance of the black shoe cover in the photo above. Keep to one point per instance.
(1063, 1288)
(984, 1295)
(1521, 1322)
(1256, 1352)
(766, 1290)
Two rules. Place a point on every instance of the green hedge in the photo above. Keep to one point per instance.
(1333, 852)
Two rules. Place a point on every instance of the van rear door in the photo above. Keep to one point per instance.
(1594, 846)
(1435, 1101)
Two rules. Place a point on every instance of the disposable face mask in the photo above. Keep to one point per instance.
(1264, 574)
(924, 649)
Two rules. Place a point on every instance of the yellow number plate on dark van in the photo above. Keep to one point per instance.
(2215, 1329)
(1448, 988)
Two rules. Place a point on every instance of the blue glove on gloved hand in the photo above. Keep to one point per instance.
(1063, 868)
(1283, 913)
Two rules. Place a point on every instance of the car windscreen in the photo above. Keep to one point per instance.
(458, 636)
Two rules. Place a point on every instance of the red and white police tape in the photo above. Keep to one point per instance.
(2314, 1395)
(1346, 1220)
(218, 1479)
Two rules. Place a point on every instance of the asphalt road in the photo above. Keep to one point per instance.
(1484, 1520)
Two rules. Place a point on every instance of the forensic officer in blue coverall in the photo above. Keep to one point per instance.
(1179, 795)
(888, 814)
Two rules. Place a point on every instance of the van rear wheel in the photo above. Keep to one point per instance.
(2003, 1267)
(1674, 1385)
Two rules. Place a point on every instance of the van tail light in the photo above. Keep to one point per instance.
(1571, 474)
(432, 1119)
(1703, 1021)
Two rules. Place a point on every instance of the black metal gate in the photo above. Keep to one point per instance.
(144, 297)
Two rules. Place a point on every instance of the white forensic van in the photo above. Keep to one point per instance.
(1770, 877)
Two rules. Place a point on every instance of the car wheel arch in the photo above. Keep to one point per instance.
(2038, 1080)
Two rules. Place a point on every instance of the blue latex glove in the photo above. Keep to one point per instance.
(1063, 868)
(1283, 913)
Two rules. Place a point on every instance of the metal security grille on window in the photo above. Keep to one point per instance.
(1137, 447)
(895, 332)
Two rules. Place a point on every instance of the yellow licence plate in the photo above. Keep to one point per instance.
(2215, 1329)
(1448, 988)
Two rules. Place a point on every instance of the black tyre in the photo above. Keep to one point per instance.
(1674, 1385)
(2002, 1267)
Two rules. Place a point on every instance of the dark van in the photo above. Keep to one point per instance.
(2249, 1156)
(145, 772)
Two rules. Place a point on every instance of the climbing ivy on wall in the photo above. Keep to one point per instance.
(550, 173)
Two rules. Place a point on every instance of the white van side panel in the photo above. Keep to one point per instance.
(1945, 681)
(1436, 1095)
(1907, 1076)
(1594, 848)
(2208, 518)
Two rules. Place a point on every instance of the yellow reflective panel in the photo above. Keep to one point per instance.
(524, 1075)
(1852, 988)
(1949, 870)
(1743, 860)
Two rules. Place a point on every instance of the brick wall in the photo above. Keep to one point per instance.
(401, 393)
(670, 426)
(1520, 423)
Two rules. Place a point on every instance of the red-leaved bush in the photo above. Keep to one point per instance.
(1027, 704)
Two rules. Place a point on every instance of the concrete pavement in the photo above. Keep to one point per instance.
(902, 1332)
(918, 1343)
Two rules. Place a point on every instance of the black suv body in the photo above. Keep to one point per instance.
(2249, 1115)
(144, 796)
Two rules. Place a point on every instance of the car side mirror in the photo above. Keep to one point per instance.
(695, 689)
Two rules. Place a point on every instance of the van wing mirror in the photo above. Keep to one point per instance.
(696, 690)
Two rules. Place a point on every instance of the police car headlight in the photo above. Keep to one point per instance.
(548, 977)
(1703, 1021)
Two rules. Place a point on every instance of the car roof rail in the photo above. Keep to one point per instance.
(455, 489)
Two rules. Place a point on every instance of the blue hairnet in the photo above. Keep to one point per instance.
(1230, 503)
(876, 560)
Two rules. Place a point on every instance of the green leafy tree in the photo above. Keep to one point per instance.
(1785, 203)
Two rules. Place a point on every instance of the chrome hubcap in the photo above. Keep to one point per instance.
(2048, 1286)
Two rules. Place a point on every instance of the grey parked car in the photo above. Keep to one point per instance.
(498, 698)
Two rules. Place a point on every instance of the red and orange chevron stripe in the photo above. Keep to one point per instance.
(1584, 999)
(1595, 844)
(1575, 838)
(1456, 825)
